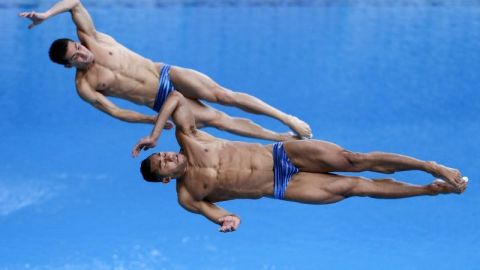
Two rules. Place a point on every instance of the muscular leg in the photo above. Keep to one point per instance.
(208, 116)
(318, 188)
(196, 85)
(321, 156)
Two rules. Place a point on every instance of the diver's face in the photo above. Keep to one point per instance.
(169, 164)
(78, 55)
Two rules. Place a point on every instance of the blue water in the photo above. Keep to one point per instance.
(398, 76)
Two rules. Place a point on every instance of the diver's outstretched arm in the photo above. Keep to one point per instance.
(175, 106)
(80, 16)
(99, 101)
(228, 222)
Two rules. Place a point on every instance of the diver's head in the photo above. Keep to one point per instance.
(69, 53)
(163, 166)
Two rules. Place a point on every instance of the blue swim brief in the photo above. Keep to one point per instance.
(164, 89)
(283, 170)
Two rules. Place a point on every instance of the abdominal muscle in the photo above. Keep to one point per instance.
(242, 171)
(243, 185)
(127, 75)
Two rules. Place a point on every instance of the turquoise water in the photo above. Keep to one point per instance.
(392, 76)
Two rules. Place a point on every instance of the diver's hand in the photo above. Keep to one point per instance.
(144, 144)
(36, 17)
(229, 223)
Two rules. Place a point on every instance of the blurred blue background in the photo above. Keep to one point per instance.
(397, 76)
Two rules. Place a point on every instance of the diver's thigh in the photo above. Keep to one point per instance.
(194, 84)
(204, 114)
(315, 155)
(314, 188)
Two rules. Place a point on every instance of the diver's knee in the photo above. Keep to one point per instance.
(354, 159)
(224, 96)
(357, 186)
(219, 120)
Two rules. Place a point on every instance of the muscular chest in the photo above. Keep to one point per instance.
(108, 64)
(114, 79)
(203, 169)
(200, 183)
(105, 80)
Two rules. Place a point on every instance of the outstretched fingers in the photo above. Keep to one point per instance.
(26, 14)
(136, 150)
(144, 144)
(35, 17)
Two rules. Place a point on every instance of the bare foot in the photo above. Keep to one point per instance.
(452, 176)
(301, 128)
(441, 187)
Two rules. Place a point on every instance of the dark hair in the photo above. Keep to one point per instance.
(147, 172)
(58, 49)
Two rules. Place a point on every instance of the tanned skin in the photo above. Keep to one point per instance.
(210, 170)
(105, 68)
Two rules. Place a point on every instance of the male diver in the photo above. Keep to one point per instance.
(106, 68)
(210, 170)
